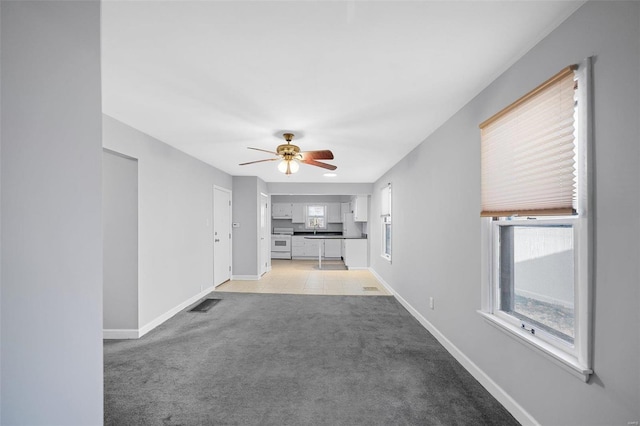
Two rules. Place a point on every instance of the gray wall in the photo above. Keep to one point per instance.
(311, 198)
(0, 219)
(442, 258)
(263, 189)
(120, 241)
(245, 211)
(319, 188)
(246, 238)
(175, 211)
(51, 283)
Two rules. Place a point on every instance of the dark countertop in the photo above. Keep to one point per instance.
(306, 233)
(332, 237)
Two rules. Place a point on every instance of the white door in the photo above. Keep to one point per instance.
(221, 236)
(265, 245)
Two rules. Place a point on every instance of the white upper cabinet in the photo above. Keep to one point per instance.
(281, 211)
(344, 209)
(333, 213)
(297, 213)
(360, 208)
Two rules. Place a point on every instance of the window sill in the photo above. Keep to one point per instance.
(387, 258)
(560, 358)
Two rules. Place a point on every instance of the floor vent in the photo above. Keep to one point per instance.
(205, 305)
(370, 288)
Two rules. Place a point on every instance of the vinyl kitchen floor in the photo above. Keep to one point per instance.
(304, 277)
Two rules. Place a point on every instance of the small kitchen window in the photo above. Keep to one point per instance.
(316, 217)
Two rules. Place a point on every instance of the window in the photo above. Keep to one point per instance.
(385, 214)
(316, 217)
(535, 187)
(536, 278)
(386, 237)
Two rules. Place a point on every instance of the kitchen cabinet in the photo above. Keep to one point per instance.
(344, 209)
(297, 246)
(333, 248)
(360, 206)
(303, 247)
(334, 214)
(311, 247)
(281, 210)
(354, 252)
(297, 212)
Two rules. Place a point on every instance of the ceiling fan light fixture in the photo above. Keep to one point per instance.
(290, 157)
(288, 166)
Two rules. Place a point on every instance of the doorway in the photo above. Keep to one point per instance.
(221, 235)
(120, 245)
(265, 244)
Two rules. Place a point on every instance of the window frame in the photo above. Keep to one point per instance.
(385, 219)
(309, 216)
(541, 222)
(576, 358)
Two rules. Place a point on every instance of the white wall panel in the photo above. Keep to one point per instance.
(51, 312)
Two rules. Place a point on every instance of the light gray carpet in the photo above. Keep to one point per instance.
(259, 359)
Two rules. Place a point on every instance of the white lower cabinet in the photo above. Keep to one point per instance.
(304, 247)
(311, 247)
(333, 248)
(355, 253)
(297, 246)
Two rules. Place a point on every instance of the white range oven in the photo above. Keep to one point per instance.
(281, 243)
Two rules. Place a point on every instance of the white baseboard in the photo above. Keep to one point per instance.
(358, 268)
(171, 312)
(246, 277)
(120, 333)
(137, 333)
(383, 282)
(492, 387)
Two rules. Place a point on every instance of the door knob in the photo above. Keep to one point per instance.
(216, 240)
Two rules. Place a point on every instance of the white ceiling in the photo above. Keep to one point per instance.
(368, 80)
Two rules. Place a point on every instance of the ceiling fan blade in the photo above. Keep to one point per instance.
(259, 161)
(318, 164)
(263, 150)
(324, 154)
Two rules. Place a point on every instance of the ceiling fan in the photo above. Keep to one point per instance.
(290, 156)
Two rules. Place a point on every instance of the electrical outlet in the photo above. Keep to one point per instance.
(431, 303)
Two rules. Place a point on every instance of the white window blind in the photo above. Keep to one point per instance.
(385, 200)
(528, 153)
